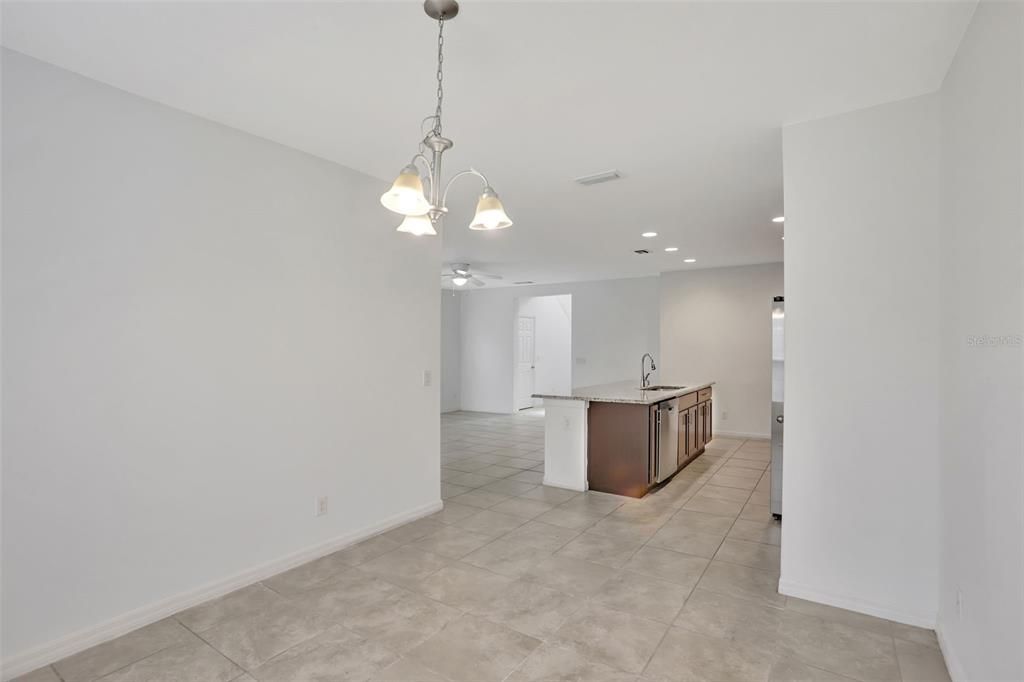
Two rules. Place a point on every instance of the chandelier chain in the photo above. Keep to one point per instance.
(440, 76)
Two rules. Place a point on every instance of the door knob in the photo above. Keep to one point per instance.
(779, 419)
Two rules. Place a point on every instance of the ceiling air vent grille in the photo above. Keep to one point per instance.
(598, 178)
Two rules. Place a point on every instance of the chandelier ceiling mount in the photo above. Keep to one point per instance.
(441, 10)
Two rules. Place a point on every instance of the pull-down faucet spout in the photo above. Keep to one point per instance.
(644, 377)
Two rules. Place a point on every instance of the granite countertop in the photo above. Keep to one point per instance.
(628, 392)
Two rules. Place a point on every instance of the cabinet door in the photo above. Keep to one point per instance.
(708, 433)
(684, 437)
(700, 425)
(694, 447)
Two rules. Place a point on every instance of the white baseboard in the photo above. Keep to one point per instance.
(556, 484)
(852, 604)
(953, 665)
(68, 645)
(741, 434)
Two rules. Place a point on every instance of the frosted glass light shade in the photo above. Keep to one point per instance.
(418, 225)
(460, 281)
(406, 194)
(490, 214)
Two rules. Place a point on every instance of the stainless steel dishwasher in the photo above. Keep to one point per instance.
(666, 444)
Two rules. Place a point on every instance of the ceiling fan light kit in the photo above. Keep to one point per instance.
(460, 276)
(406, 196)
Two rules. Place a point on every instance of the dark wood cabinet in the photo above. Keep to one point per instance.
(618, 448)
(705, 428)
(620, 457)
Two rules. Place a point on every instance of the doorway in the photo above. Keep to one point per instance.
(526, 362)
(543, 343)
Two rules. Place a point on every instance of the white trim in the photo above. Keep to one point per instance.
(740, 434)
(953, 665)
(68, 645)
(853, 604)
(566, 486)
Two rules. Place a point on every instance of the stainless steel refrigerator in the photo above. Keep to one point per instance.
(778, 393)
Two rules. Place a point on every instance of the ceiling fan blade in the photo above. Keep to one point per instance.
(450, 274)
(488, 275)
(477, 281)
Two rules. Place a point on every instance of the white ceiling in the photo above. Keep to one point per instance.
(685, 99)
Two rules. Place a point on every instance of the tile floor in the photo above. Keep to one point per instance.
(515, 581)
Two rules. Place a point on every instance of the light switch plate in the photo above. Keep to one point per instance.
(427, 378)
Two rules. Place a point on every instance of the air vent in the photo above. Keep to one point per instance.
(641, 251)
(527, 281)
(598, 178)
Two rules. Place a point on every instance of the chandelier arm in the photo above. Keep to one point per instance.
(471, 171)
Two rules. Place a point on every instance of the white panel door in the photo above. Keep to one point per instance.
(525, 363)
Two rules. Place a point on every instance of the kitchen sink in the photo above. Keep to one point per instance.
(662, 388)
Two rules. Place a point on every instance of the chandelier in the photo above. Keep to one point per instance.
(406, 196)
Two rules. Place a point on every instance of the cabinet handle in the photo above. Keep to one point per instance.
(657, 445)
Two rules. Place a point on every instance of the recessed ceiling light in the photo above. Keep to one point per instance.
(649, 234)
(671, 249)
(689, 260)
(779, 219)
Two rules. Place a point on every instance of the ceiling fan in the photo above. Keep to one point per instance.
(460, 275)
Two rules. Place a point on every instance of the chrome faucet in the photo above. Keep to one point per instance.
(644, 377)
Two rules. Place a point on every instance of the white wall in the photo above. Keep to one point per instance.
(451, 352)
(552, 342)
(614, 322)
(716, 325)
(982, 294)
(191, 356)
(860, 488)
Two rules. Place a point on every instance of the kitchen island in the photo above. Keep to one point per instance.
(619, 438)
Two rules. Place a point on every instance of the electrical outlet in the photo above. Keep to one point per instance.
(959, 604)
(427, 378)
(321, 506)
(725, 415)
